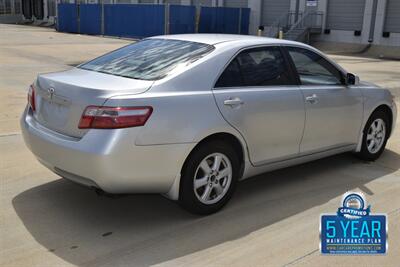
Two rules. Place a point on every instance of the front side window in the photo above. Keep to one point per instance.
(313, 69)
(150, 59)
(256, 67)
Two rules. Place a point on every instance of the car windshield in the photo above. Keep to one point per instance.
(150, 59)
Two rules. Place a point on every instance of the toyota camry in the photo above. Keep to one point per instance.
(188, 116)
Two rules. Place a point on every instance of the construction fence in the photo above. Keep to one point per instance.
(144, 20)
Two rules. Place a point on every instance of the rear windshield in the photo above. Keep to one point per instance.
(150, 59)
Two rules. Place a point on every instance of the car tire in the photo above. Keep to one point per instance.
(209, 177)
(375, 135)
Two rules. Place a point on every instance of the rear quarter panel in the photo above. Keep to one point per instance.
(178, 117)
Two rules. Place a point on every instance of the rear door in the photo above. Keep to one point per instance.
(333, 110)
(257, 95)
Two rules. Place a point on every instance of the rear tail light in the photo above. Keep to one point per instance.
(95, 117)
(31, 97)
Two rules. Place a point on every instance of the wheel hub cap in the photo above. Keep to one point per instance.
(376, 136)
(213, 178)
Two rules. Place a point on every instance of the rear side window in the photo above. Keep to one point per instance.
(313, 69)
(150, 59)
(256, 67)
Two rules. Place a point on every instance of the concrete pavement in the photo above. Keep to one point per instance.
(271, 221)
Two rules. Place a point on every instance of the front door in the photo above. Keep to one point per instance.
(333, 110)
(258, 96)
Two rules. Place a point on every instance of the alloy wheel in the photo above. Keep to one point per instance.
(212, 178)
(376, 136)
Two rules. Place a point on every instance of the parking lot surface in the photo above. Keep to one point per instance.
(272, 220)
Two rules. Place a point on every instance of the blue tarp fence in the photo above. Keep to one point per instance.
(245, 21)
(224, 20)
(134, 20)
(143, 20)
(182, 19)
(90, 19)
(67, 20)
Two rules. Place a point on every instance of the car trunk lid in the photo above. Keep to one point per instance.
(62, 97)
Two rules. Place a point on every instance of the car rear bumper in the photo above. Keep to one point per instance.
(106, 159)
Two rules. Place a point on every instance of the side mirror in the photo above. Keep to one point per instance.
(352, 79)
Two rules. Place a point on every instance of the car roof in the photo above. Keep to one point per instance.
(215, 38)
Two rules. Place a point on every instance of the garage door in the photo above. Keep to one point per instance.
(345, 15)
(236, 3)
(202, 2)
(392, 21)
(273, 9)
(172, 2)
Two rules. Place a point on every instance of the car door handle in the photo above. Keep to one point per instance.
(312, 99)
(233, 102)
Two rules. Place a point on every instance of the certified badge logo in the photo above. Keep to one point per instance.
(353, 229)
(353, 206)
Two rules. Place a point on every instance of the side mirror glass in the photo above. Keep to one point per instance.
(352, 79)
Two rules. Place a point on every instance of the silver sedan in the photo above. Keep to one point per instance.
(188, 116)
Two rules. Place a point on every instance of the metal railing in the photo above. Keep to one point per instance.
(311, 20)
(286, 21)
(280, 24)
(275, 27)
